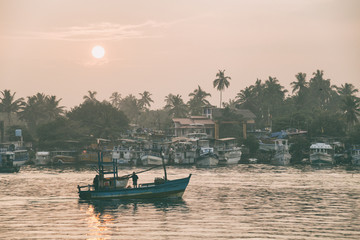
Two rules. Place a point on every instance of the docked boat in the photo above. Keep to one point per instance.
(7, 163)
(227, 151)
(151, 159)
(109, 188)
(21, 156)
(207, 158)
(282, 156)
(64, 157)
(42, 158)
(321, 154)
(355, 155)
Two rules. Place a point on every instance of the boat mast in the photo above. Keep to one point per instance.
(163, 163)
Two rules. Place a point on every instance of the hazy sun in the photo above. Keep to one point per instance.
(98, 52)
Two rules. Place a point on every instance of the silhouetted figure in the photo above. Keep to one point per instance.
(96, 182)
(134, 179)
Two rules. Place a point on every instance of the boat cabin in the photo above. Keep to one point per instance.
(321, 148)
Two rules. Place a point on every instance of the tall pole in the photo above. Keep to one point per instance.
(163, 163)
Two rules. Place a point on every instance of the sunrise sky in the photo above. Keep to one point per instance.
(166, 46)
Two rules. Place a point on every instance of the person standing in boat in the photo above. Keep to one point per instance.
(134, 179)
(96, 182)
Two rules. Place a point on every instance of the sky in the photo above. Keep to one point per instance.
(167, 46)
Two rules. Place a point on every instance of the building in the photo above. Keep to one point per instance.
(209, 123)
(184, 127)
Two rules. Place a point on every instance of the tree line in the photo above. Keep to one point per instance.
(314, 105)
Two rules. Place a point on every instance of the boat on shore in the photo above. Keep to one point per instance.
(116, 187)
(7, 163)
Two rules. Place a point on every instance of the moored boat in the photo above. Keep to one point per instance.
(42, 158)
(227, 151)
(7, 163)
(321, 154)
(151, 159)
(282, 156)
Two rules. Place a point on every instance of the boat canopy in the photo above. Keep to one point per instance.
(320, 146)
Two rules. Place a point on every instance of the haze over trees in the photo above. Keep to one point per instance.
(313, 104)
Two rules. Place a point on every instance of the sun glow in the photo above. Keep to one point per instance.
(98, 52)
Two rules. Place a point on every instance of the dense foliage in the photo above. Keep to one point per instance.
(314, 105)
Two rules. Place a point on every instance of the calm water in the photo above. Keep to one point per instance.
(242, 202)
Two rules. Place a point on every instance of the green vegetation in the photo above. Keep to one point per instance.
(322, 109)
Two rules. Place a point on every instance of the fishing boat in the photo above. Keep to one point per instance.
(116, 187)
(7, 163)
(42, 158)
(227, 151)
(151, 158)
(21, 156)
(282, 156)
(321, 154)
(207, 158)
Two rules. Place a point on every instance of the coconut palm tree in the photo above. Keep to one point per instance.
(52, 107)
(90, 97)
(115, 99)
(176, 106)
(300, 85)
(346, 90)
(145, 100)
(221, 82)
(320, 89)
(198, 100)
(9, 104)
(351, 109)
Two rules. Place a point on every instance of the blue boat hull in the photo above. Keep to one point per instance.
(169, 189)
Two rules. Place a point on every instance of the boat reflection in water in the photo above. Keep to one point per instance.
(111, 218)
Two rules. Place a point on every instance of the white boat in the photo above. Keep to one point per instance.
(321, 154)
(152, 159)
(355, 155)
(21, 157)
(282, 156)
(42, 158)
(183, 151)
(123, 155)
(227, 151)
(207, 158)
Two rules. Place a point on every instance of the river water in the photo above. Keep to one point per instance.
(241, 202)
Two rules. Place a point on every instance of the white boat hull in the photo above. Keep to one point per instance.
(281, 159)
(208, 161)
(151, 160)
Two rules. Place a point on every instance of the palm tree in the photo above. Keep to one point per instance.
(52, 107)
(198, 100)
(130, 106)
(90, 97)
(346, 90)
(221, 82)
(9, 104)
(115, 99)
(176, 106)
(351, 109)
(320, 89)
(145, 100)
(300, 85)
